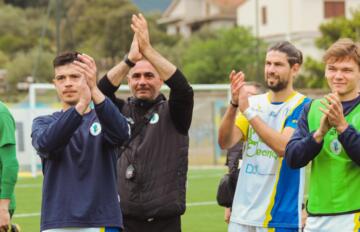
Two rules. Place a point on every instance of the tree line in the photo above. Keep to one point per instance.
(101, 28)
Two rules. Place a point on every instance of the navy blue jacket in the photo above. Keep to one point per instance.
(302, 147)
(79, 166)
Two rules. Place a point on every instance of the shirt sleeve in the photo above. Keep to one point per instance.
(181, 101)
(50, 135)
(9, 172)
(243, 124)
(114, 124)
(109, 90)
(302, 147)
(350, 140)
(7, 129)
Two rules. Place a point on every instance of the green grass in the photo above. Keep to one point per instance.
(202, 214)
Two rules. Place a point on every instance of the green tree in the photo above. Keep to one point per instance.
(118, 34)
(338, 28)
(100, 28)
(27, 3)
(23, 65)
(210, 58)
(21, 33)
(313, 76)
(3, 59)
(331, 31)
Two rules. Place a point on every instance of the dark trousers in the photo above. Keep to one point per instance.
(172, 224)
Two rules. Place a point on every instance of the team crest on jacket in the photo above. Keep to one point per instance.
(95, 129)
(154, 119)
(335, 146)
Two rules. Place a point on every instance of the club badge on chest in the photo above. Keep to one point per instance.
(130, 172)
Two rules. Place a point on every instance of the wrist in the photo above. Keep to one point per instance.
(81, 107)
(340, 129)
(97, 96)
(249, 113)
(318, 136)
(128, 61)
(4, 204)
(234, 105)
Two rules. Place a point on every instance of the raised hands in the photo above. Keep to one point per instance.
(134, 53)
(140, 28)
(239, 94)
(87, 66)
(334, 112)
(236, 82)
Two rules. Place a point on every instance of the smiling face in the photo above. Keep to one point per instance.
(343, 76)
(67, 82)
(144, 81)
(278, 73)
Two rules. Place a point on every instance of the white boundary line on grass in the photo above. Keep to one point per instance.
(22, 215)
(204, 203)
(201, 203)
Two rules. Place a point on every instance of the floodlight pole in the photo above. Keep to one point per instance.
(257, 39)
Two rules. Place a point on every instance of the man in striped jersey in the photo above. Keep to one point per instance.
(268, 194)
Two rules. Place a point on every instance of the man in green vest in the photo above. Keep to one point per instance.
(328, 135)
(9, 168)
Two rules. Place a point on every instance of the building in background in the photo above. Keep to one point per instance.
(187, 16)
(295, 20)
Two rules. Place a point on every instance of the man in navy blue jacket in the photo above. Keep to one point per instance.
(77, 149)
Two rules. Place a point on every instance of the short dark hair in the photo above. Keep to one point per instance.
(342, 49)
(65, 58)
(294, 55)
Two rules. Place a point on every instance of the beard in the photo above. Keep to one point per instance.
(277, 86)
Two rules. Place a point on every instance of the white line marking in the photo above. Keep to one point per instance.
(22, 215)
(205, 176)
(201, 203)
(28, 185)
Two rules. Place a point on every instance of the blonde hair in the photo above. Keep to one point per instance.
(342, 49)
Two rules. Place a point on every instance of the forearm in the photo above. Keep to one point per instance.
(227, 134)
(114, 124)
(181, 102)
(10, 168)
(97, 96)
(49, 137)
(164, 67)
(109, 90)
(350, 140)
(301, 150)
(4, 205)
(274, 139)
(118, 73)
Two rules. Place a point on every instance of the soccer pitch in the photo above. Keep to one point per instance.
(202, 213)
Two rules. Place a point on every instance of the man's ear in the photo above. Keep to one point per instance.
(296, 68)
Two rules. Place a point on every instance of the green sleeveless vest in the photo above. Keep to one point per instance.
(334, 178)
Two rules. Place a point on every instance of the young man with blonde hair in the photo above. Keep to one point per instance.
(328, 135)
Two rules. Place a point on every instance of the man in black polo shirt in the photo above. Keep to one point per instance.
(153, 166)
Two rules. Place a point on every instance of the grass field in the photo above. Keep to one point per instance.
(202, 214)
